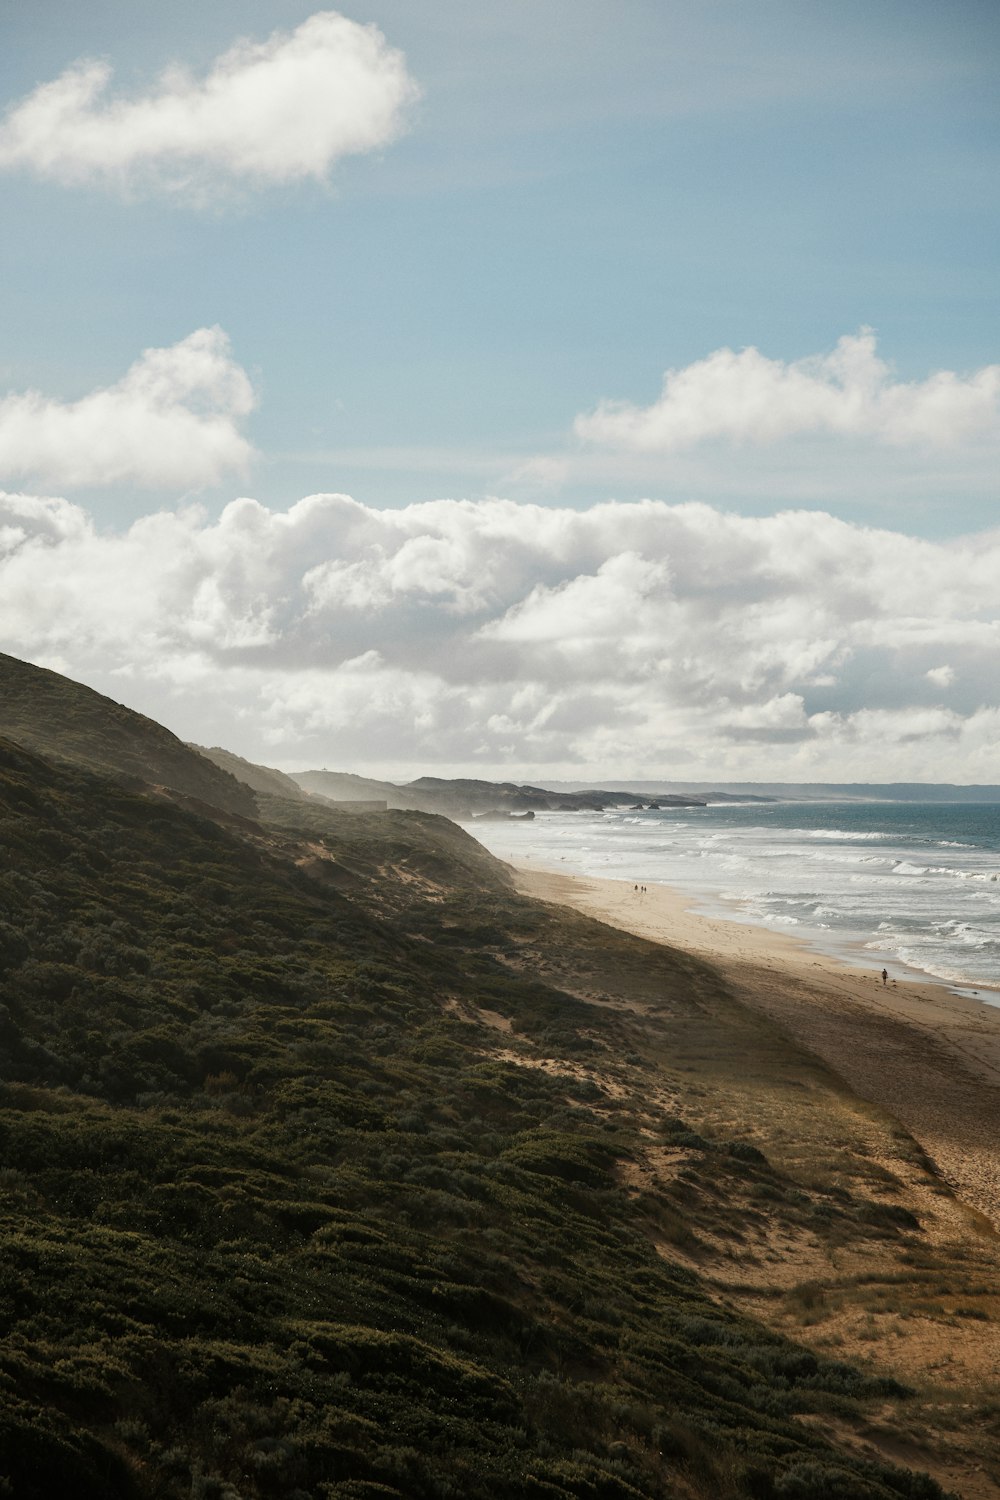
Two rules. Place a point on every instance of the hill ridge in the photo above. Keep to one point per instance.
(68, 721)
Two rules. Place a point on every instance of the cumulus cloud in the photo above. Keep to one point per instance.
(267, 112)
(747, 398)
(173, 419)
(642, 639)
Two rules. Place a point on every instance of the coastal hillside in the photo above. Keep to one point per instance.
(67, 721)
(333, 1167)
(345, 786)
(465, 797)
(259, 778)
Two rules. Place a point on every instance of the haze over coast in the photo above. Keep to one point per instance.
(434, 411)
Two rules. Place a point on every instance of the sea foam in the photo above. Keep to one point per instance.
(927, 897)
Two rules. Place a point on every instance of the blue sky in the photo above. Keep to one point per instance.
(544, 207)
(586, 194)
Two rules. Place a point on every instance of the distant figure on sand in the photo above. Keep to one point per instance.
(885, 976)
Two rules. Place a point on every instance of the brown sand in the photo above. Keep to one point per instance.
(928, 1056)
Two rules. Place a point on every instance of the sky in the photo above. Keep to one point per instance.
(560, 389)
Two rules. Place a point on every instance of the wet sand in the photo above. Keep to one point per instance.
(927, 1055)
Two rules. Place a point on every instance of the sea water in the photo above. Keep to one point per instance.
(911, 886)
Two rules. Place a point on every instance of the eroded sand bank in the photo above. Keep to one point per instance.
(927, 1055)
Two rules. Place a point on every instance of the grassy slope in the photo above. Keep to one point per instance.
(67, 721)
(323, 1176)
(832, 1255)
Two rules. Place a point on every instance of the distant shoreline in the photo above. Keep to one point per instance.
(926, 1054)
(933, 792)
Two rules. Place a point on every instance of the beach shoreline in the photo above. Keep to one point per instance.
(915, 894)
(708, 928)
(926, 1053)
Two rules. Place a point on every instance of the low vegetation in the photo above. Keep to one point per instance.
(321, 1176)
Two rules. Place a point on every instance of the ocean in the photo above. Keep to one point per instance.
(911, 886)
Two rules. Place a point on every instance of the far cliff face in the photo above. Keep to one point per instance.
(465, 797)
(344, 786)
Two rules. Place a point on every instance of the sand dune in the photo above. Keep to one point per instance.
(928, 1056)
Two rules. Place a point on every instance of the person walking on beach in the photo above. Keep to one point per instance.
(885, 977)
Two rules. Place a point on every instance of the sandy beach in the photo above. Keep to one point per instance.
(928, 1056)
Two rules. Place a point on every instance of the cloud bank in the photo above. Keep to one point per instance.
(268, 112)
(643, 639)
(748, 398)
(173, 419)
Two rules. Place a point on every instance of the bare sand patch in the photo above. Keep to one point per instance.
(926, 1055)
(887, 1095)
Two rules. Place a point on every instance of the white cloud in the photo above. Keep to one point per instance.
(268, 112)
(541, 474)
(173, 419)
(747, 398)
(521, 640)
